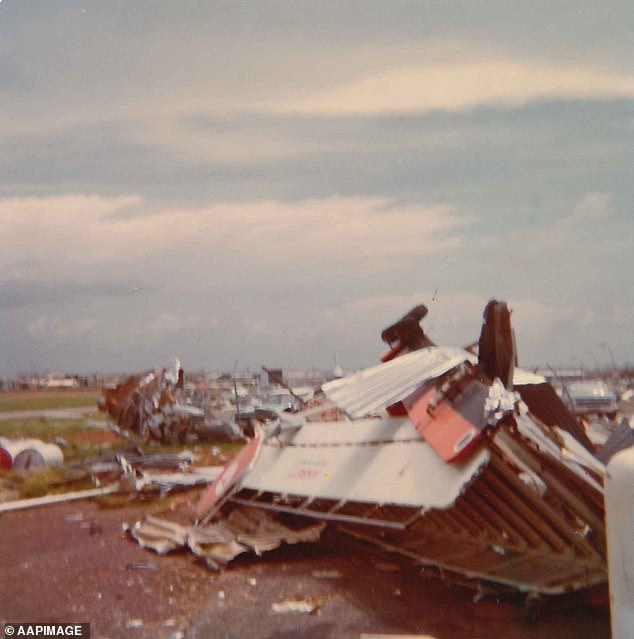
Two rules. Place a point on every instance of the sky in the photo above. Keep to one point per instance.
(272, 183)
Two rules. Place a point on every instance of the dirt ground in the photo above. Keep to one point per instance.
(72, 562)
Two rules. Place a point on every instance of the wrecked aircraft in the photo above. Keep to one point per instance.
(463, 464)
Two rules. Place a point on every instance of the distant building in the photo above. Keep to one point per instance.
(60, 381)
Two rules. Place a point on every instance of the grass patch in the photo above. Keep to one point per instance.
(49, 481)
(15, 402)
(80, 441)
(40, 428)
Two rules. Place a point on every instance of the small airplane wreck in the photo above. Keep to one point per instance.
(452, 458)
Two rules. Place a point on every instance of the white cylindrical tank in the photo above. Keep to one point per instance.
(619, 515)
(31, 454)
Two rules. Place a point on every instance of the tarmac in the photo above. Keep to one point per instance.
(73, 562)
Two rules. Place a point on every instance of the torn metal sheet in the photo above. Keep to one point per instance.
(138, 459)
(546, 405)
(167, 482)
(243, 530)
(308, 605)
(230, 475)
(568, 452)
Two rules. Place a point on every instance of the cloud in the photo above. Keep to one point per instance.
(54, 326)
(166, 323)
(82, 230)
(593, 207)
(23, 290)
(458, 86)
(316, 170)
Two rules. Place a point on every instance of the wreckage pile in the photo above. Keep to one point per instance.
(459, 462)
(150, 407)
(146, 405)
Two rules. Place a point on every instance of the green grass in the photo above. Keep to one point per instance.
(54, 480)
(41, 428)
(49, 430)
(8, 404)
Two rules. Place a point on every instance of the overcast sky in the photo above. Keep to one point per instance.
(274, 182)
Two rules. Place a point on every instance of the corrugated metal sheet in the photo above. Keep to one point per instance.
(244, 530)
(373, 389)
(571, 453)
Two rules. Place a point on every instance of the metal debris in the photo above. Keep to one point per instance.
(134, 623)
(462, 463)
(145, 405)
(523, 510)
(151, 407)
(243, 530)
(308, 605)
(35, 502)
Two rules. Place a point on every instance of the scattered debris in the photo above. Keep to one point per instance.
(460, 462)
(308, 605)
(520, 506)
(74, 517)
(242, 530)
(150, 406)
(134, 623)
(142, 565)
